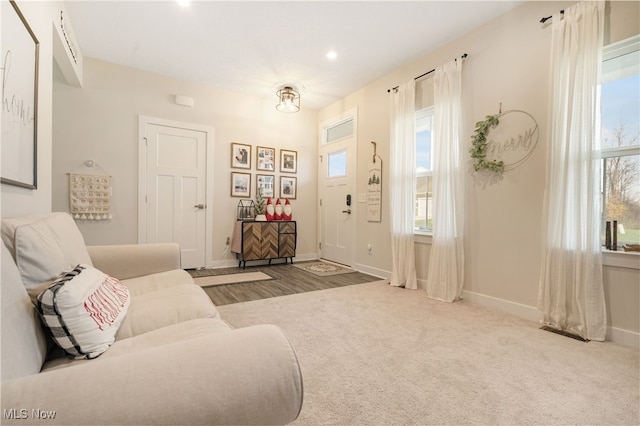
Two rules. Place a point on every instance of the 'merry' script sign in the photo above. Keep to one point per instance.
(514, 139)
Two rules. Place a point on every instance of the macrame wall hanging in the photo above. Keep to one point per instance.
(90, 192)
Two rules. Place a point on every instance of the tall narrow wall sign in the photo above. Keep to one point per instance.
(374, 190)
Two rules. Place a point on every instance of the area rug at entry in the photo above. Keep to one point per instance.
(244, 277)
(323, 269)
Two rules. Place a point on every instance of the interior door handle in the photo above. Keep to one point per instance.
(199, 206)
(348, 211)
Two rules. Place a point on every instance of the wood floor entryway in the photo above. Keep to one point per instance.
(286, 280)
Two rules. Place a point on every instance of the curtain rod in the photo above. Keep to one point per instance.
(545, 19)
(423, 75)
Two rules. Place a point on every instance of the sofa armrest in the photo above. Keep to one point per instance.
(135, 260)
(245, 376)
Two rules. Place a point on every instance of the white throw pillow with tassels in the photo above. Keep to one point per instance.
(83, 310)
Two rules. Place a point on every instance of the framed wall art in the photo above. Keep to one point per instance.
(288, 161)
(288, 187)
(240, 156)
(265, 158)
(240, 184)
(266, 184)
(19, 66)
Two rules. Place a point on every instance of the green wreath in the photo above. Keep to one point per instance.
(478, 149)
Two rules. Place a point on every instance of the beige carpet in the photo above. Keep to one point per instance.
(379, 355)
(231, 278)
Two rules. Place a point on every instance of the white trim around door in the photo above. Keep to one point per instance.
(144, 122)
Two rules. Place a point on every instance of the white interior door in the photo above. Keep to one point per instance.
(175, 196)
(337, 171)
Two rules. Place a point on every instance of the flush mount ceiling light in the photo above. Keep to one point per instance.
(288, 100)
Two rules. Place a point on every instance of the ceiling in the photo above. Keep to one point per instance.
(255, 47)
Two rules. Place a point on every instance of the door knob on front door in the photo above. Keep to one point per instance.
(199, 206)
(348, 211)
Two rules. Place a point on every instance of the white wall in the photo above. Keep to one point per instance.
(15, 200)
(508, 63)
(100, 122)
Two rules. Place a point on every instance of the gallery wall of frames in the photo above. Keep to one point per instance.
(258, 169)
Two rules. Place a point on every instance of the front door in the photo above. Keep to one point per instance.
(336, 189)
(175, 194)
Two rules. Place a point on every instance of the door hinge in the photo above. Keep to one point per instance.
(146, 141)
(320, 201)
(146, 198)
(320, 245)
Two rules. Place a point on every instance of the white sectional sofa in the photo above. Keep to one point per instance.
(173, 360)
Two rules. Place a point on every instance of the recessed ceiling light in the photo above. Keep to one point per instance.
(332, 55)
(184, 3)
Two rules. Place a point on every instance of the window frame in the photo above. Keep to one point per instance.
(618, 258)
(425, 113)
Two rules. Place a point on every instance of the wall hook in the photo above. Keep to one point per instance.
(375, 146)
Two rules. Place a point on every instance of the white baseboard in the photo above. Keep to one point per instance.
(623, 337)
(615, 335)
(518, 309)
(380, 273)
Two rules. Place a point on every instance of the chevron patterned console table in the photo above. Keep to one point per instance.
(266, 241)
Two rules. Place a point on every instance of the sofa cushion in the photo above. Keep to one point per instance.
(180, 332)
(168, 306)
(154, 282)
(24, 346)
(44, 245)
(83, 310)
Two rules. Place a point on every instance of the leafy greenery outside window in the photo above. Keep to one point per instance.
(620, 123)
(423, 218)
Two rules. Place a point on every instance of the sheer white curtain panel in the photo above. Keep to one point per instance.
(446, 263)
(571, 295)
(402, 172)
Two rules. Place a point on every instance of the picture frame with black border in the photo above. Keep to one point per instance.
(240, 184)
(288, 187)
(240, 156)
(265, 159)
(288, 161)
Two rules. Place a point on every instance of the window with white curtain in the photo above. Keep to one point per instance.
(620, 126)
(424, 196)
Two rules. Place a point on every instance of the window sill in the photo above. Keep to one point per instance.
(422, 237)
(621, 259)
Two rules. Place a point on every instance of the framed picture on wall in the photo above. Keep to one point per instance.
(240, 156)
(265, 184)
(19, 63)
(288, 161)
(265, 158)
(288, 187)
(240, 184)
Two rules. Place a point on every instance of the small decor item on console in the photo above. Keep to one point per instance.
(286, 212)
(260, 207)
(278, 211)
(270, 210)
(246, 210)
